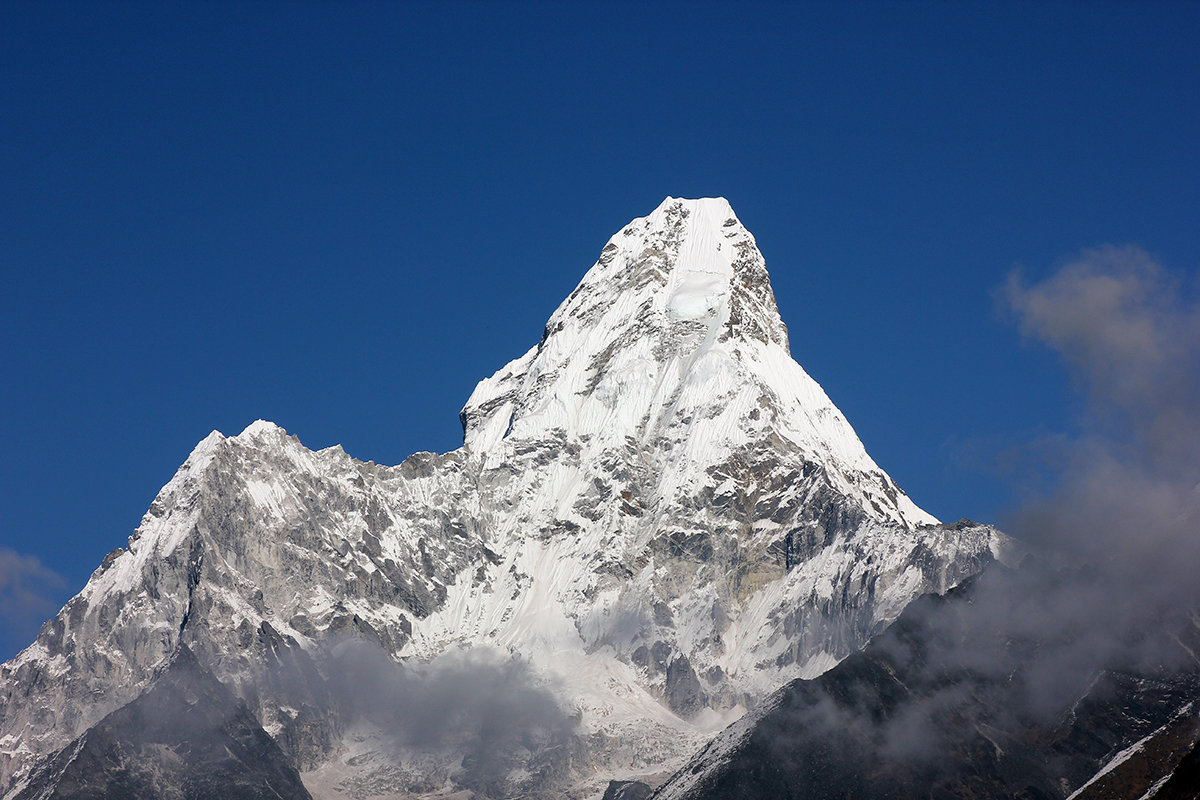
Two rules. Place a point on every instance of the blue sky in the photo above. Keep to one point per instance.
(340, 216)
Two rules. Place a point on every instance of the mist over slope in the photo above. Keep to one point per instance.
(1076, 674)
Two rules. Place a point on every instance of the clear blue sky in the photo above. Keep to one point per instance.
(340, 216)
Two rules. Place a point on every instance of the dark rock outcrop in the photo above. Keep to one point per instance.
(627, 790)
(187, 738)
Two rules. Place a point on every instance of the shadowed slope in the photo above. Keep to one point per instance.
(187, 738)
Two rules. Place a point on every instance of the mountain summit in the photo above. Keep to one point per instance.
(656, 518)
(673, 338)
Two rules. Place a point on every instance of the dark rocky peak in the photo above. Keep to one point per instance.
(186, 737)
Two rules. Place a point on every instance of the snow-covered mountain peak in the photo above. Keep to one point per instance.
(656, 511)
(673, 341)
(673, 300)
(261, 427)
(689, 263)
(206, 446)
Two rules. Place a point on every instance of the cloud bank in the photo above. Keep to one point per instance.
(1126, 495)
(490, 709)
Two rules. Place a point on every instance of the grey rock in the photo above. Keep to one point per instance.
(627, 790)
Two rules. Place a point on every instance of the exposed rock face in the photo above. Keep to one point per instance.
(953, 700)
(188, 738)
(1183, 783)
(655, 510)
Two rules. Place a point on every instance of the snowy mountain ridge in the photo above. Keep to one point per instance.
(656, 513)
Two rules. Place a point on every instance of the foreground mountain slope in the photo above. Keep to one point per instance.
(657, 517)
(971, 695)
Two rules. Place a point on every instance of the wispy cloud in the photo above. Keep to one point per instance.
(29, 595)
(1120, 504)
(1126, 492)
